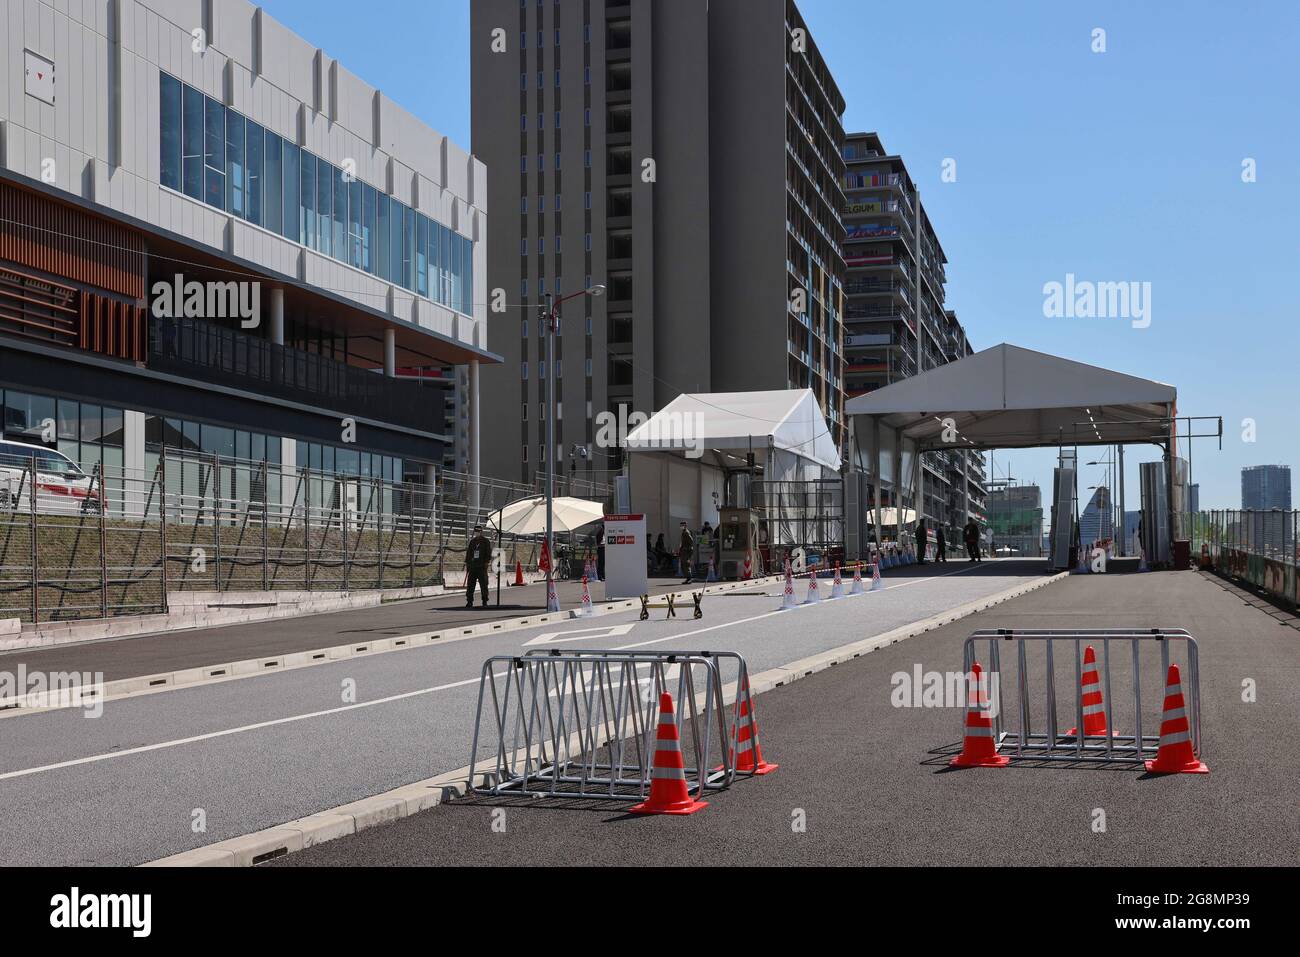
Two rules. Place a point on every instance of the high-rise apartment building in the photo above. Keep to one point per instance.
(1015, 514)
(686, 156)
(895, 323)
(1266, 486)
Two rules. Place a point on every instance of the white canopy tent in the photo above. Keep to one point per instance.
(784, 428)
(679, 459)
(1003, 397)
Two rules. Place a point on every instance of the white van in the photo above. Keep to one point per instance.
(61, 487)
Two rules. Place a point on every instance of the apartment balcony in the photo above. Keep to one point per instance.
(196, 349)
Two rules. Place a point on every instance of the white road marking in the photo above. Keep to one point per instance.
(576, 634)
(194, 739)
(159, 746)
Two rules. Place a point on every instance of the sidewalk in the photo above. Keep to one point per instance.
(175, 651)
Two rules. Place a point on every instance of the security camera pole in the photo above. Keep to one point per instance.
(551, 315)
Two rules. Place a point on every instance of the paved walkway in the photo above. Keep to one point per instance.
(177, 650)
(865, 776)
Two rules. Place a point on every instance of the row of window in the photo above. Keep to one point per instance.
(214, 154)
(541, 79)
(541, 34)
(86, 433)
(541, 369)
(541, 120)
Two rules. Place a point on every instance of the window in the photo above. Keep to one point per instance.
(523, 81)
(586, 117)
(586, 76)
(557, 119)
(422, 256)
(557, 202)
(586, 199)
(523, 246)
(523, 122)
(293, 194)
(192, 144)
(324, 205)
(523, 371)
(370, 210)
(586, 158)
(340, 219)
(169, 112)
(523, 164)
(523, 204)
(523, 294)
(383, 234)
(557, 160)
(214, 153)
(254, 157)
(273, 184)
(235, 199)
(588, 242)
(354, 222)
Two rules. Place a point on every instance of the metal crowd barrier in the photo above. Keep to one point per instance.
(1050, 743)
(582, 724)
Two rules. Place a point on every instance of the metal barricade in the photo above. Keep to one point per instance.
(1050, 743)
(582, 724)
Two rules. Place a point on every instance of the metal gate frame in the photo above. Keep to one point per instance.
(1050, 745)
(555, 711)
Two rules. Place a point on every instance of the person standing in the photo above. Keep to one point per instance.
(940, 546)
(971, 533)
(478, 555)
(922, 541)
(686, 552)
(600, 552)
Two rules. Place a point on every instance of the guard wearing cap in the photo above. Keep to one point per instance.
(478, 554)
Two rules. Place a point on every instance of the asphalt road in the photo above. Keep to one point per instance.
(251, 753)
(175, 651)
(873, 790)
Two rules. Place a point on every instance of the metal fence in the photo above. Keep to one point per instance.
(114, 541)
(1257, 547)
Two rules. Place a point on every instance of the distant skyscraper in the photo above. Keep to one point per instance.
(1095, 522)
(1266, 486)
(1263, 489)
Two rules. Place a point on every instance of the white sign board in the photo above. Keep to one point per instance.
(40, 76)
(625, 556)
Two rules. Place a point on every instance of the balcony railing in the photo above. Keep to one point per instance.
(200, 350)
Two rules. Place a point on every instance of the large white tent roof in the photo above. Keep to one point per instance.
(740, 422)
(1011, 397)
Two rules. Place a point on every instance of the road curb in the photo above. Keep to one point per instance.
(249, 667)
(409, 799)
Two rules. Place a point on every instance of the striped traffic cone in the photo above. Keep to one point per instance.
(584, 609)
(748, 757)
(668, 791)
(1175, 755)
(856, 587)
(788, 600)
(978, 749)
(814, 596)
(876, 583)
(713, 572)
(837, 586)
(1094, 708)
(552, 597)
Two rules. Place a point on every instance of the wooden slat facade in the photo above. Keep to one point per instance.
(64, 243)
(42, 234)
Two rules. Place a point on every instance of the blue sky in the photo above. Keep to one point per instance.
(1117, 166)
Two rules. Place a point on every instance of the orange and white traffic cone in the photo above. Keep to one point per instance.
(584, 609)
(837, 586)
(978, 749)
(749, 757)
(1094, 708)
(1175, 755)
(668, 791)
(519, 572)
(788, 600)
(856, 587)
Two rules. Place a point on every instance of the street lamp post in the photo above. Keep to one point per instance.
(551, 316)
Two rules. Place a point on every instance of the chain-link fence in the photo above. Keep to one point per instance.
(110, 541)
(1257, 547)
